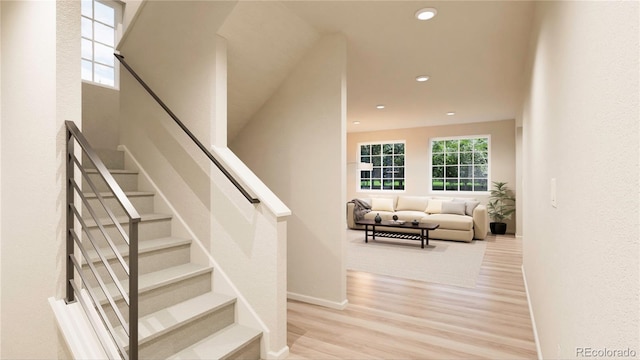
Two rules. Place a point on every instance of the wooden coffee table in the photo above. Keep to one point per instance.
(423, 236)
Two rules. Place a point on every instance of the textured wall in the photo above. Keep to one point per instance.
(581, 127)
(40, 89)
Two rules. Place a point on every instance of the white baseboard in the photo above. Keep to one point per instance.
(278, 355)
(533, 320)
(317, 301)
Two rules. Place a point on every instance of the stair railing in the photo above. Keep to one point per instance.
(184, 128)
(73, 265)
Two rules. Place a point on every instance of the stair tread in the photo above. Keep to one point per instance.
(156, 279)
(124, 219)
(220, 344)
(160, 322)
(108, 194)
(113, 171)
(143, 247)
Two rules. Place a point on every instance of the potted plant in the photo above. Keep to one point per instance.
(501, 206)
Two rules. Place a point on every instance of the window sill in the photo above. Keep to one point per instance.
(465, 193)
(101, 85)
(381, 191)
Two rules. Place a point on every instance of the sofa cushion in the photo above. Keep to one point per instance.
(456, 208)
(435, 206)
(410, 215)
(464, 199)
(449, 221)
(417, 203)
(385, 215)
(381, 204)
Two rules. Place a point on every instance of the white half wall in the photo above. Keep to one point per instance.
(40, 89)
(581, 128)
(296, 144)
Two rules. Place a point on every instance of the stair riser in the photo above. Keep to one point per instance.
(112, 159)
(187, 334)
(147, 262)
(249, 351)
(127, 182)
(156, 299)
(143, 204)
(147, 230)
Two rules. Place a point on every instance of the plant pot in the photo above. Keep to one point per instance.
(498, 228)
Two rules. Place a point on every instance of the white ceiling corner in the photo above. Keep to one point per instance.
(474, 52)
(265, 40)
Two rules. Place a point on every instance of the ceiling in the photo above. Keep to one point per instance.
(473, 51)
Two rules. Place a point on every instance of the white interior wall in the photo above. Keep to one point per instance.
(184, 63)
(502, 162)
(0, 179)
(296, 144)
(178, 63)
(100, 111)
(581, 127)
(40, 89)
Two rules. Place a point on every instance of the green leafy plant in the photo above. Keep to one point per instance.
(501, 203)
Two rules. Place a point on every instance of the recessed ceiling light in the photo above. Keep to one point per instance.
(422, 78)
(451, 113)
(426, 13)
(380, 106)
(356, 123)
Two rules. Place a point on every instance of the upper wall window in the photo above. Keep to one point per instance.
(387, 159)
(460, 163)
(100, 19)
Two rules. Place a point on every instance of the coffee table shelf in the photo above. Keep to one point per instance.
(423, 236)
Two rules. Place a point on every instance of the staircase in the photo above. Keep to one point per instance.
(180, 317)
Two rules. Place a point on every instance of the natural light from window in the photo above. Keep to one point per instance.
(99, 23)
(460, 164)
(388, 166)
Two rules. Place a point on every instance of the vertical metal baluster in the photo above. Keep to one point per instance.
(133, 289)
(70, 297)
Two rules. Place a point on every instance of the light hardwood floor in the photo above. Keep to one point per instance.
(393, 318)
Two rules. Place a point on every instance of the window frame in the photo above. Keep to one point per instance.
(118, 13)
(381, 143)
(460, 192)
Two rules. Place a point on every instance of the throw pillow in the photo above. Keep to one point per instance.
(450, 207)
(381, 204)
(415, 203)
(470, 205)
(435, 206)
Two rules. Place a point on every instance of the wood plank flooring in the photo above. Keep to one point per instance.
(393, 318)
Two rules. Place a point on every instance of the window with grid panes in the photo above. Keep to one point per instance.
(460, 164)
(99, 23)
(388, 166)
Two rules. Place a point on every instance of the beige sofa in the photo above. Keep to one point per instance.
(460, 219)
